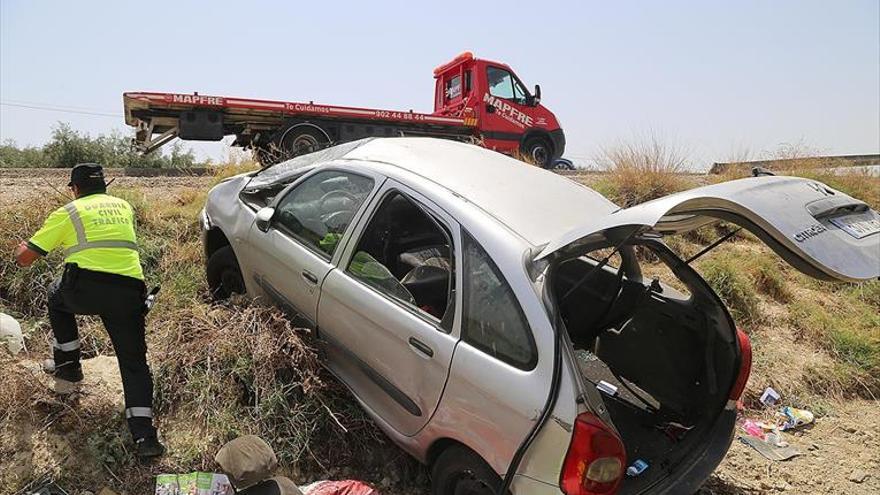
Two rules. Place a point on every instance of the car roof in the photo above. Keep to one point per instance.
(537, 204)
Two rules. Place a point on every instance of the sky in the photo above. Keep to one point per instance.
(719, 79)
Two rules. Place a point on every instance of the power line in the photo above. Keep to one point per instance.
(52, 108)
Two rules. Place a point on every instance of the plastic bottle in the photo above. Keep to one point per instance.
(636, 468)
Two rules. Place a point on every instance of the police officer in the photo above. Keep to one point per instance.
(102, 276)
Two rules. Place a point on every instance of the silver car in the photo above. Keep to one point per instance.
(494, 319)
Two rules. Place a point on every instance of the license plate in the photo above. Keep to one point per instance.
(858, 225)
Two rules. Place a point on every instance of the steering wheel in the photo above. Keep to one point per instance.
(338, 192)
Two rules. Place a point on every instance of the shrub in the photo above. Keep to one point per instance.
(642, 170)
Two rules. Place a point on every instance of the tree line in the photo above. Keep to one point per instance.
(67, 147)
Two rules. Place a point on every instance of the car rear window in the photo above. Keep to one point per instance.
(493, 319)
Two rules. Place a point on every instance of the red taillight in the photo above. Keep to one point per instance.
(745, 365)
(596, 459)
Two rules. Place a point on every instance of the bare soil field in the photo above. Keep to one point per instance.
(840, 451)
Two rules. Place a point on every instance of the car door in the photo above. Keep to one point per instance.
(822, 232)
(393, 349)
(294, 251)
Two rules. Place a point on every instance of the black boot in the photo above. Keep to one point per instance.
(70, 372)
(149, 447)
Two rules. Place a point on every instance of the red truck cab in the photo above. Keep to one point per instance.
(509, 118)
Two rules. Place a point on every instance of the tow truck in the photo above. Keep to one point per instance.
(475, 100)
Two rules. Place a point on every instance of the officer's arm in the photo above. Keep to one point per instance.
(24, 255)
(50, 235)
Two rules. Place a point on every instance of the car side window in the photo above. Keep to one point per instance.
(493, 319)
(318, 210)
(406, 254)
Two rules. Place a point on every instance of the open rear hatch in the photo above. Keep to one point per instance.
(818, 230)
(665, 355)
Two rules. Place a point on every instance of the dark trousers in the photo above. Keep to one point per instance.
(119, 301)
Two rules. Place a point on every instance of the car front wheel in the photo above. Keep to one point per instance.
(460, 471)
(224, 275)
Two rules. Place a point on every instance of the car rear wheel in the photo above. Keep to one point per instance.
(224, 275)
(538, 151)
(460, 471)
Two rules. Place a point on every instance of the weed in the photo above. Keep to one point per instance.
(641, 170)
(725, 274)
(768, 278)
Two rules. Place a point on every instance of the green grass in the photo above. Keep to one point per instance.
(849, 329)
(723, 270)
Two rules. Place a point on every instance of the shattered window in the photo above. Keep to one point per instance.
(493, 319)
(317, 211)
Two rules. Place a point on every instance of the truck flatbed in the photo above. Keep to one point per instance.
(160, 113)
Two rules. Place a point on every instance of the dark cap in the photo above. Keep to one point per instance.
(87, 174)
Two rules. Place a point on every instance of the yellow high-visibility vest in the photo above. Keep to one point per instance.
(96, 232)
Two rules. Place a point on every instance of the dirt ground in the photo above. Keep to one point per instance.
(840, 452)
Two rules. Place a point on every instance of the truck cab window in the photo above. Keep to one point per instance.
(519, 93)
(453, 88)
(500, 82)
(317, 211)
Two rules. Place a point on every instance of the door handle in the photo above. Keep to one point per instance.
(421, 347)
(310, 277)
(490, 108)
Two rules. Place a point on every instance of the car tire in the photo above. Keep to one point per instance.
(224, 274)
(538, 151)
(460, 471)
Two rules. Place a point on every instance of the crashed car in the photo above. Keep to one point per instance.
(494, 319)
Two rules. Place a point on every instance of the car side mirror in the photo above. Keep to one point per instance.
(537, 99)
(264, 218)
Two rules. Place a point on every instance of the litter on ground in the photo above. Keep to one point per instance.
(768, 450)
(793, 418)
(770, 397)
(10, 333)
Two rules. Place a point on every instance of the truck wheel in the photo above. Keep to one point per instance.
(460, 471)
(538, 151)
(224, 275)
(301, 139)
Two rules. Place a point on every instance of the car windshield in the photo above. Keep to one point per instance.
(278, 172)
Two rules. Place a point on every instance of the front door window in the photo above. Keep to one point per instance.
(500, 83)
(503, 84)
(317, 211)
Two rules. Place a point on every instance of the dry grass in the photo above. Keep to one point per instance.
(642, 169)
(226, 370)
(220, 371)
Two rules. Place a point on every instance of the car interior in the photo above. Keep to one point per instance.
(414, 251)
(319, 209)
(663, 359)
